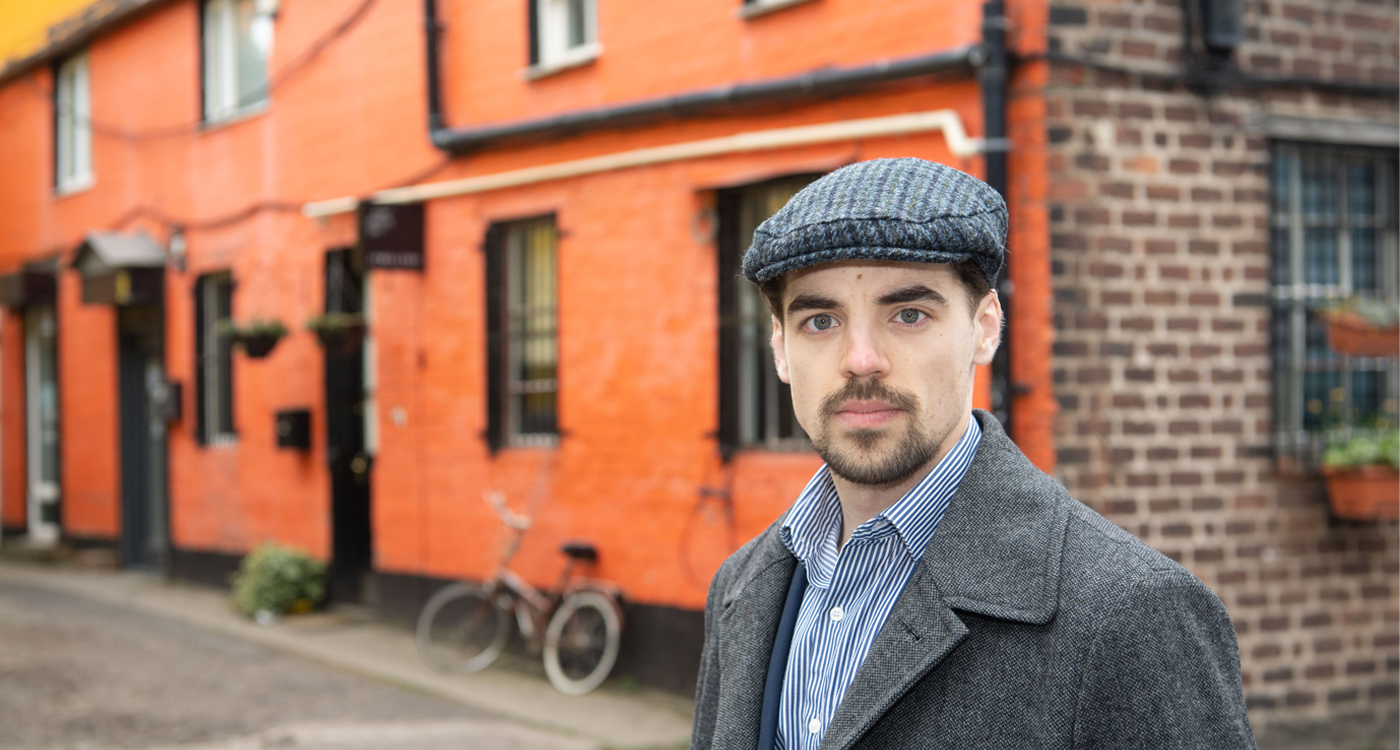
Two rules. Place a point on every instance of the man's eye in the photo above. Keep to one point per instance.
(910, 317)
(821, 322)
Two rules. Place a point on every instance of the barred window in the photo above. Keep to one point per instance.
(213, 306)
(1333, 237)
(755, 406)
(522, 322)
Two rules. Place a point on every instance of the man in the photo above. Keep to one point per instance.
(930, 587)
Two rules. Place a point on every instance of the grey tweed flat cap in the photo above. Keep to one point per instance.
(884, 209)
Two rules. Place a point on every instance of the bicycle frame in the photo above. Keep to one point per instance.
(538, 606)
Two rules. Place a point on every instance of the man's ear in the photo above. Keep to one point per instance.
(779, 351)
(987, 323)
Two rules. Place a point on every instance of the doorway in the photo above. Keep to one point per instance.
(143, 397)
(41, 422)
(346, 456)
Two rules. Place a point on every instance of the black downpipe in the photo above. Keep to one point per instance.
(992, 75)
(431, 34)
(810, 85)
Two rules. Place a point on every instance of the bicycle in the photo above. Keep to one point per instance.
(463, 628)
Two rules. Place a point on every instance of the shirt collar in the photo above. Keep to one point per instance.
(815, 518)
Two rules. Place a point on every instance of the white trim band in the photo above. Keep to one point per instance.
(946, 121)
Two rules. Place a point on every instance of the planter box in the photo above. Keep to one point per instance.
(1367, 493)
(1350, 334)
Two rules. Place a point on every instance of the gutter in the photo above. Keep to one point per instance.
(944, 121)
(809, 85)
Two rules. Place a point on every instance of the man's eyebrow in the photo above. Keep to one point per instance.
(911, 294)
(810, 302)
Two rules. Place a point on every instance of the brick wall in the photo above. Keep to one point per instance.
(1160, 265)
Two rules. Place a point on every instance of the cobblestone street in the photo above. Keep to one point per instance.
(81, 674)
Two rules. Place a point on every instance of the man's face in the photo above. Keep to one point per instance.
(880, 357)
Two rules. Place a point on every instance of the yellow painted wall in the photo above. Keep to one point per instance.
(24, 24)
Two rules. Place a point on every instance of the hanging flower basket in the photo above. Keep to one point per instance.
(1362, 471)
(1366, 493)
(257, 337)
(1364, 328)
(339, 333)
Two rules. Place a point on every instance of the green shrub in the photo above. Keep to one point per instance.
(278, 580)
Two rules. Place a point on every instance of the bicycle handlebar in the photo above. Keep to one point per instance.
(507, 516)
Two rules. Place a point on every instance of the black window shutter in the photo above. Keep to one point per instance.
(729, 254)
(199, 421)
(496, 338)
(532, 9)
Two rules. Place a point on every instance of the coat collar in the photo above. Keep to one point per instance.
(996, 553)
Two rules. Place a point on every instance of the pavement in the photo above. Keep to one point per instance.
(522, 709)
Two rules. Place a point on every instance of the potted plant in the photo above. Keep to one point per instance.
(258, 336)
(1364, 327)
(338, 332)
(1362, 471)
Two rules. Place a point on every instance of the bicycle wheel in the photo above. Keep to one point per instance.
(462, 629)
(580, 645)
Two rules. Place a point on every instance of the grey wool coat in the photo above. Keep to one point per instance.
(1030, 622)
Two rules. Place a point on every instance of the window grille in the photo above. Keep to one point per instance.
(72, 125)
(1333, 236)
(522, 322)
(755, 406)
(237, 46)
(214, 359)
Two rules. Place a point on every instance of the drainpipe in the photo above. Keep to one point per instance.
(992, 74)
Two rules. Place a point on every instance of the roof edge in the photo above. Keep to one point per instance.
(76, 31)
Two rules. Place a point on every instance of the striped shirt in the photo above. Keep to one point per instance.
(851, 591)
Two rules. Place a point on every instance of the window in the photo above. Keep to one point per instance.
(213, 349)
(237, 45)
(755, 8)
(1333, 236)
(522, 331)
(755, 406)
(563, 33)
(72, 126)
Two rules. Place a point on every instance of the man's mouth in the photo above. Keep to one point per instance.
(866, 413)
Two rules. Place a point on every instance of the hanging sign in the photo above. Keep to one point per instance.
(392, 235)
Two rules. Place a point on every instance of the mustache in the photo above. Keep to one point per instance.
(870, 389)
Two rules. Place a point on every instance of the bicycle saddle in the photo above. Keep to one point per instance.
(580, 551)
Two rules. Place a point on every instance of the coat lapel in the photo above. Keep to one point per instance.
(747, 627)
(997, 552)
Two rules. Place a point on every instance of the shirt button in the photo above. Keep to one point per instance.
(837, 614)
(814, 726)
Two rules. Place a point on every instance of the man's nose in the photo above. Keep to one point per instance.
(865, 356)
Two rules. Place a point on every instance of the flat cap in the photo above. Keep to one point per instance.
(884, 209)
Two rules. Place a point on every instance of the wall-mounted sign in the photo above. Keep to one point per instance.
(392, 235)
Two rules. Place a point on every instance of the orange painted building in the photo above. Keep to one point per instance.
(612, 150)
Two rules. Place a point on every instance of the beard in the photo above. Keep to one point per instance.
(856, 455)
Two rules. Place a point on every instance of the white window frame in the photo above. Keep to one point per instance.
(221, 50)
(756, 8)
(554, 49)
(72, 125)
